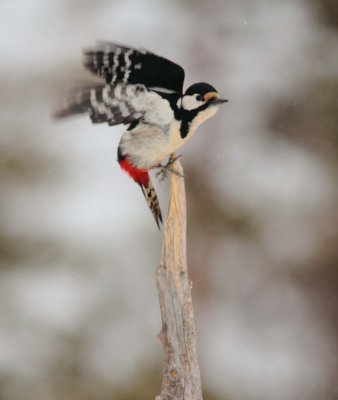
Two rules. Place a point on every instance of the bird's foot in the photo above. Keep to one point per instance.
(165, 169)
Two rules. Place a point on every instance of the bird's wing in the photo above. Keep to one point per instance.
(119, 104)
(116, 63)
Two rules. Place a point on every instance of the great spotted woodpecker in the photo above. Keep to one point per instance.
(145, 92)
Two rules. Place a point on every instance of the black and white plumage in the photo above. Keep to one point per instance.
(145, 92)
(116, 63)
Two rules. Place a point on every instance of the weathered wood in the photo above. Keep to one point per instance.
(181, 375)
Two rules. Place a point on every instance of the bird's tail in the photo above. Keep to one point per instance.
(152, 201)
(141, 176)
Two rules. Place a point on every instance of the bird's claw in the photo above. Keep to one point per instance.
(172, 159)
(164, 169)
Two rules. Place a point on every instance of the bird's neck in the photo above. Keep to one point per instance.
(192, 119)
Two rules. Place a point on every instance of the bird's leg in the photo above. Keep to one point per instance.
(164, 169)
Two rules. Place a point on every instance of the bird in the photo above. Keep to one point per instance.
(144, 92)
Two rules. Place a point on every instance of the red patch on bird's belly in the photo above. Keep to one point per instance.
(139, 175)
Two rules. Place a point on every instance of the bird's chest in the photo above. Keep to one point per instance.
(147, 146)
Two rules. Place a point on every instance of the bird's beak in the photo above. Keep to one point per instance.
(218, 101)
(213, 98)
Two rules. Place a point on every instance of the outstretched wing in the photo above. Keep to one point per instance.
(116, 63)
(120, 104)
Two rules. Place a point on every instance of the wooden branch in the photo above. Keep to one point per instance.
(181, 375)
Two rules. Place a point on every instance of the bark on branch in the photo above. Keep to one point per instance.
(181, 375)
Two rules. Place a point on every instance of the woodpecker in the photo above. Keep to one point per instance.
(143, 91)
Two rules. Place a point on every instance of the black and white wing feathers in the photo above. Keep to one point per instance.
(119, 104)
(116, 63)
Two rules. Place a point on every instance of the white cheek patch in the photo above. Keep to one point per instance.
(190, 102)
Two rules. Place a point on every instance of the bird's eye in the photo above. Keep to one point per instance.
(199, 97)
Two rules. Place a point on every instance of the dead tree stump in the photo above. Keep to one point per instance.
(181, 375)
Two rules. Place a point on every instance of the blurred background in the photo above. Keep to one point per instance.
(79, 248)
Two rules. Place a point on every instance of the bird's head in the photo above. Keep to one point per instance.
(199, 103)
(201, 96)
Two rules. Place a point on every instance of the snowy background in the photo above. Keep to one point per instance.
(78, 246)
